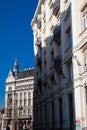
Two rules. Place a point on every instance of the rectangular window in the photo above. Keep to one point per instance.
(24, 112)
(29, 94)
(20, 113)
(69, 67)
(29, 112)
(9, 96)
(52, 80)
(20, 95)
(85, 57)
(16, 95)
(68, 38)
(17, 103)
(25, 102)
(20, 103)
(25, 95)
(29, 102)
(85, 21)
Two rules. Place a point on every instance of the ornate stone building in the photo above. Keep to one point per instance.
(19, 97)
(2, 116)
(60, 50)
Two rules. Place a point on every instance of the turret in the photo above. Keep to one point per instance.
(15, 68)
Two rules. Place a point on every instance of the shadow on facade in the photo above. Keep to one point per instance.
(54, 95)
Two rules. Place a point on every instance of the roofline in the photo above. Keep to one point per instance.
(36, 12)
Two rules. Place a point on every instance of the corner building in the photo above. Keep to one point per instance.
(60, 50)
(19, 98)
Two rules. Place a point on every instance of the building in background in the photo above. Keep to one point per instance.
(2, 118)
(19, 97)
(60, 51)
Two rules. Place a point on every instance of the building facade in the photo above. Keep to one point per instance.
(60, 50)
(2, 116)
(19, 98)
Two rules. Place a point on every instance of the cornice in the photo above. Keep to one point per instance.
(36, 12)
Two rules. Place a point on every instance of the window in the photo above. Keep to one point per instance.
(10, 96)
(20, 113)
(29, 102)
(85, 57)
(52, 80)
(85, 21)
(20, 103)
(29, 112)
(84, 14)
(24, 112)
(9, 88)
(25, 95)
(17, 103)
(29, 94)
(25, 102)
(68, 38)
(20, 95)
(16, 95)
(69, 67)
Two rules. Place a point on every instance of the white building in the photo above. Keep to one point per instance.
(2, 116)
(60, 50)
(19, 97)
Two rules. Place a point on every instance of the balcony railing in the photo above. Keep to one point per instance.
(56, 7)
(57, 62)
(57, 33)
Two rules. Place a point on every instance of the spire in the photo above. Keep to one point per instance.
(15, 68)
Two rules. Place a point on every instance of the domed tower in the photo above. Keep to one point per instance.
(15, 68)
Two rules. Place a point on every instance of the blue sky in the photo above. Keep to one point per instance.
(16, 37)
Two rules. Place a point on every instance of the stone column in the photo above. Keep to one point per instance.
(49, 115)
(43, 116)
(56, 113)
(65, 111)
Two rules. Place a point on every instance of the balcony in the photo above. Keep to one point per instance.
(38, 43)
(57, 62)
(57, 33)
(20, 107)
(39, 22)
(8, 114)
(56, 7)
(39, 62)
